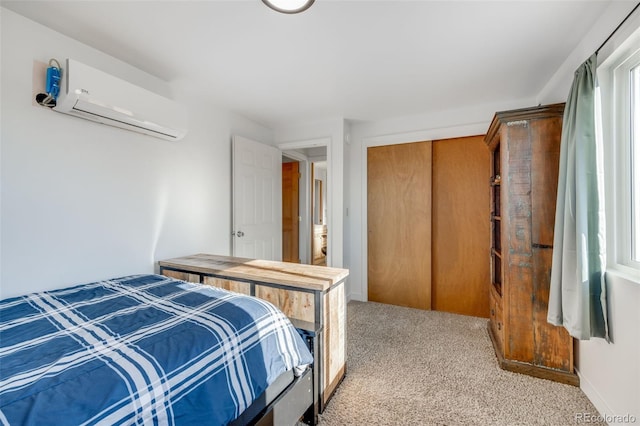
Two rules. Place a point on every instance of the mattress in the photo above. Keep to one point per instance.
(143, 349)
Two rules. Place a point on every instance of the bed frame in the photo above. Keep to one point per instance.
(276, 407)
(289, 398)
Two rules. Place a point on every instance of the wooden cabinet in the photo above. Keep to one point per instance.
(525, 149)
(313, 297)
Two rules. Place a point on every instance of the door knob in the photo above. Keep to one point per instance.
(239, 234)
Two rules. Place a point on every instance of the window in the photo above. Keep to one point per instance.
(619, 77)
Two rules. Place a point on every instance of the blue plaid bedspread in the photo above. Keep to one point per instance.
(144, 349)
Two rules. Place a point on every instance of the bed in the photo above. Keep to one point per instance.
(149, 349)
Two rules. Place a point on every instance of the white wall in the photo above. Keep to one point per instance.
(610, 373)
(82, 201)
(557, 88)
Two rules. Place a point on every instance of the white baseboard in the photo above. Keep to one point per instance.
(356, 296)
(593, 395)
(605, 411)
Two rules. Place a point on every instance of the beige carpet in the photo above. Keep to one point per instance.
(413, 367)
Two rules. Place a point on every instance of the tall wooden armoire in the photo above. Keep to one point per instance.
(525, 151)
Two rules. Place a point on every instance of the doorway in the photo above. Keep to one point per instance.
(319, 213)
(313, 188)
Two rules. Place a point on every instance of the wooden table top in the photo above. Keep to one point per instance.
(298, 275)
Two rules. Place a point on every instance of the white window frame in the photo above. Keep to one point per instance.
(634, 73)
(614, 80)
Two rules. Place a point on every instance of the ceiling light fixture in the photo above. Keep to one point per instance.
(289, 6)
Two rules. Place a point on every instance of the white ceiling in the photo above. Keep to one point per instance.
(361, 60)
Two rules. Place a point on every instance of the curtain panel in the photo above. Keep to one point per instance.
(577, 298)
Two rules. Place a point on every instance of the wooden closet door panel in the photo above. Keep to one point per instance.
(399, 224)
(460, 226)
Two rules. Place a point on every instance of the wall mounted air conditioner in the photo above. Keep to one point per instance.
(94, 95)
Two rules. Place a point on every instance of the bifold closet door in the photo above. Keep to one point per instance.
(399, 224)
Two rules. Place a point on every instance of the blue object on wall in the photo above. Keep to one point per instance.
(53, 82)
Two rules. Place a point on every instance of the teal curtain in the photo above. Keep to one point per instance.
(577, 298)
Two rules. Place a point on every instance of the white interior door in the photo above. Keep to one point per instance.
(257, 200)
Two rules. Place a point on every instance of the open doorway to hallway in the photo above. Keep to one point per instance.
(304, 205)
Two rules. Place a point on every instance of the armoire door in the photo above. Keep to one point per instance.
(399, 224)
